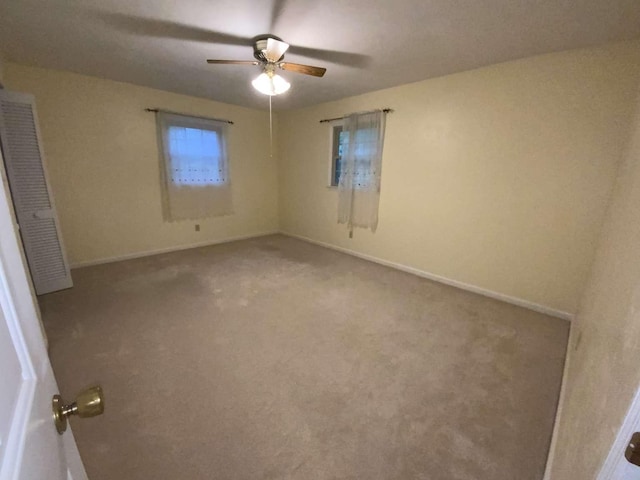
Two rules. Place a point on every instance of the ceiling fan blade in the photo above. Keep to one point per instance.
(233, 62)
(276, 12)
(357, 60)
(149, 27)
(304, 69)
(275, 49)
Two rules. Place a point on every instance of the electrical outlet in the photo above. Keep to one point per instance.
(197, 227)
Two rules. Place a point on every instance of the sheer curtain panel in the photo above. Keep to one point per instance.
(195, 167)
(359, 184)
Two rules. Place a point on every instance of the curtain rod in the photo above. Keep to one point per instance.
(385, 110)
(156, 110)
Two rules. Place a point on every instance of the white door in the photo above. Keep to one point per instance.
(616, 466)
(30, 447)
(32, 198)
(627, 471)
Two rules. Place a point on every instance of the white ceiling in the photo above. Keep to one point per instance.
(364, 44)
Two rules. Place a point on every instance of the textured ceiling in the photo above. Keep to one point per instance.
(364, 44)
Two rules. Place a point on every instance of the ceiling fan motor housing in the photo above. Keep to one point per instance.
(260, 45)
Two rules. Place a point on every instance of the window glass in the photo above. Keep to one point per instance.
(365, 144)
(340, 145)
(196, 156)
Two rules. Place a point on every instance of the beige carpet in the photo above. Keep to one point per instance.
(277, 359)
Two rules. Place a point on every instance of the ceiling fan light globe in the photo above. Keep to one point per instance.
(270, 84)
(280, 84)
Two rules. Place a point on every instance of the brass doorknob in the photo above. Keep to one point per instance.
(89, 403)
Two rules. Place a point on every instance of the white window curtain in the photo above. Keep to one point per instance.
(195, 167)
(359, 184)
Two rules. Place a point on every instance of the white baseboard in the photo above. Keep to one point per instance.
(405, 268)
(556, 423)
(148, 253)
(447, 281)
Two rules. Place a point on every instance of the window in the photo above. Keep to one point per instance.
(365, 144)
(338, 143)
(196, 156)
(195, 180)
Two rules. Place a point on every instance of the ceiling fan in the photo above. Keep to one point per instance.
(269, 52)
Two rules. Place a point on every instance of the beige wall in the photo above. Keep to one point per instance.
(603, 372)
(497, 177)
(102, 160)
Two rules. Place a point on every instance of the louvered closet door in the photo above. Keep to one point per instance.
(23, 156)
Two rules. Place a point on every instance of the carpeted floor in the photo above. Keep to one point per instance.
(277, 359)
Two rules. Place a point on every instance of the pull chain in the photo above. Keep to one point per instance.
(270, 130)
